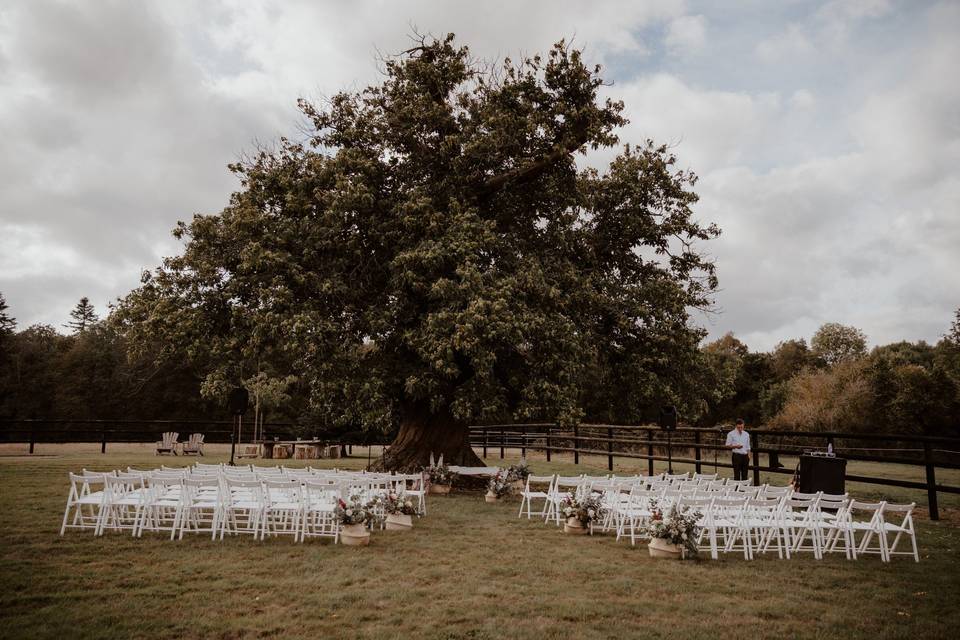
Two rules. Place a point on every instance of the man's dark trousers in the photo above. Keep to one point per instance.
(741, 466)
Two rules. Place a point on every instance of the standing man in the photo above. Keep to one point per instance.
(739, 441)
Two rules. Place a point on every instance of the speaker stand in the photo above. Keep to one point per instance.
(233, 439)
(670, 452)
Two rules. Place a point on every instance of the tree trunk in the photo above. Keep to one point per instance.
(422, 433)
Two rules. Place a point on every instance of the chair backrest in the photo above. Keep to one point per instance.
(774, 492)
(169, 438)
(142, 472)
(705, 477)
(196, 439)
(172, 474)
(568, 482)
(242, 490)
(835, 496)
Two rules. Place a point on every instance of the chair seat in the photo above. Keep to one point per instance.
(534, 494)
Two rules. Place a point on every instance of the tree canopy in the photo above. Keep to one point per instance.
(433, 252)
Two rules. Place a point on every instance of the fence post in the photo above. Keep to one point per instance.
(103, 442)
(609, 448)
(931, 483)
(485, 435)
(754, 443)
(696, 449)
(576, 445)
(503, 440)
(32, 436)
(523, 442)
(650, 452)
(548, 444)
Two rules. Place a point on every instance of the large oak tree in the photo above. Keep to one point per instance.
(431, 255)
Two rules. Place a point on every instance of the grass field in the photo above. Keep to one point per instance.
(468, 570)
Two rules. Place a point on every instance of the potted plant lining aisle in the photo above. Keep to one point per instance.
(517, 475)
(673, 536)
(400, 510)
(580, 514)
(440, 476)
(355, 517)
(498, 487)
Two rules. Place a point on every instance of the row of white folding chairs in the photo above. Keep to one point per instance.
(554, 489)
(413, 485)
(621, 510)
(164, 501)
(794, 522)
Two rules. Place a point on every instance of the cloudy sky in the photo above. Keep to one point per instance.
(826, 134)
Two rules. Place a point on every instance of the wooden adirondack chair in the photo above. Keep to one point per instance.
(168, 444)
(193, 446)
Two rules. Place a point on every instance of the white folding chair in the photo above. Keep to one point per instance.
(85, 498)
(725, 515)
(635, 511)
(123, 501)
(901, 529)
(243, 505)
(866, 518)
(319, 504)
(415, 486)
(283, 507)
(162, 508)
(563, 487)
(530, 493)
(202, 505)
(832, 523)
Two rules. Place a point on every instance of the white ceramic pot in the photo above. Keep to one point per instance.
(574, 527)
(399, 522)
(440, 489)
(660, 548)
(354, 535)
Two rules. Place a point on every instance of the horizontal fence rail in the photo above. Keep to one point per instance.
(33, 432)
(650, 443)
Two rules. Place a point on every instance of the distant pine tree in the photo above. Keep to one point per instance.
(7, 322)
(83, 316)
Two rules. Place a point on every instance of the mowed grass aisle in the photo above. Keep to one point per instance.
(468, 570)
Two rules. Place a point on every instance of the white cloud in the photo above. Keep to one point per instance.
(686, 35)
(830, 167)
(785, 47)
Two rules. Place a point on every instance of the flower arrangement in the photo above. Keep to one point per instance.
(499, 484)
(399, 504)
(518, 471)
(678, 527)
(355, 511)
(439, 473)
(586, 509)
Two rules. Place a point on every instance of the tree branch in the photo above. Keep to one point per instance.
(536, 167)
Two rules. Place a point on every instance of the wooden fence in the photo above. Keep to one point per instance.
(650, 443)
(642, 442)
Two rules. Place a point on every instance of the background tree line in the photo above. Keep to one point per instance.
(832, 383)
(87, 370)
(835, 383)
